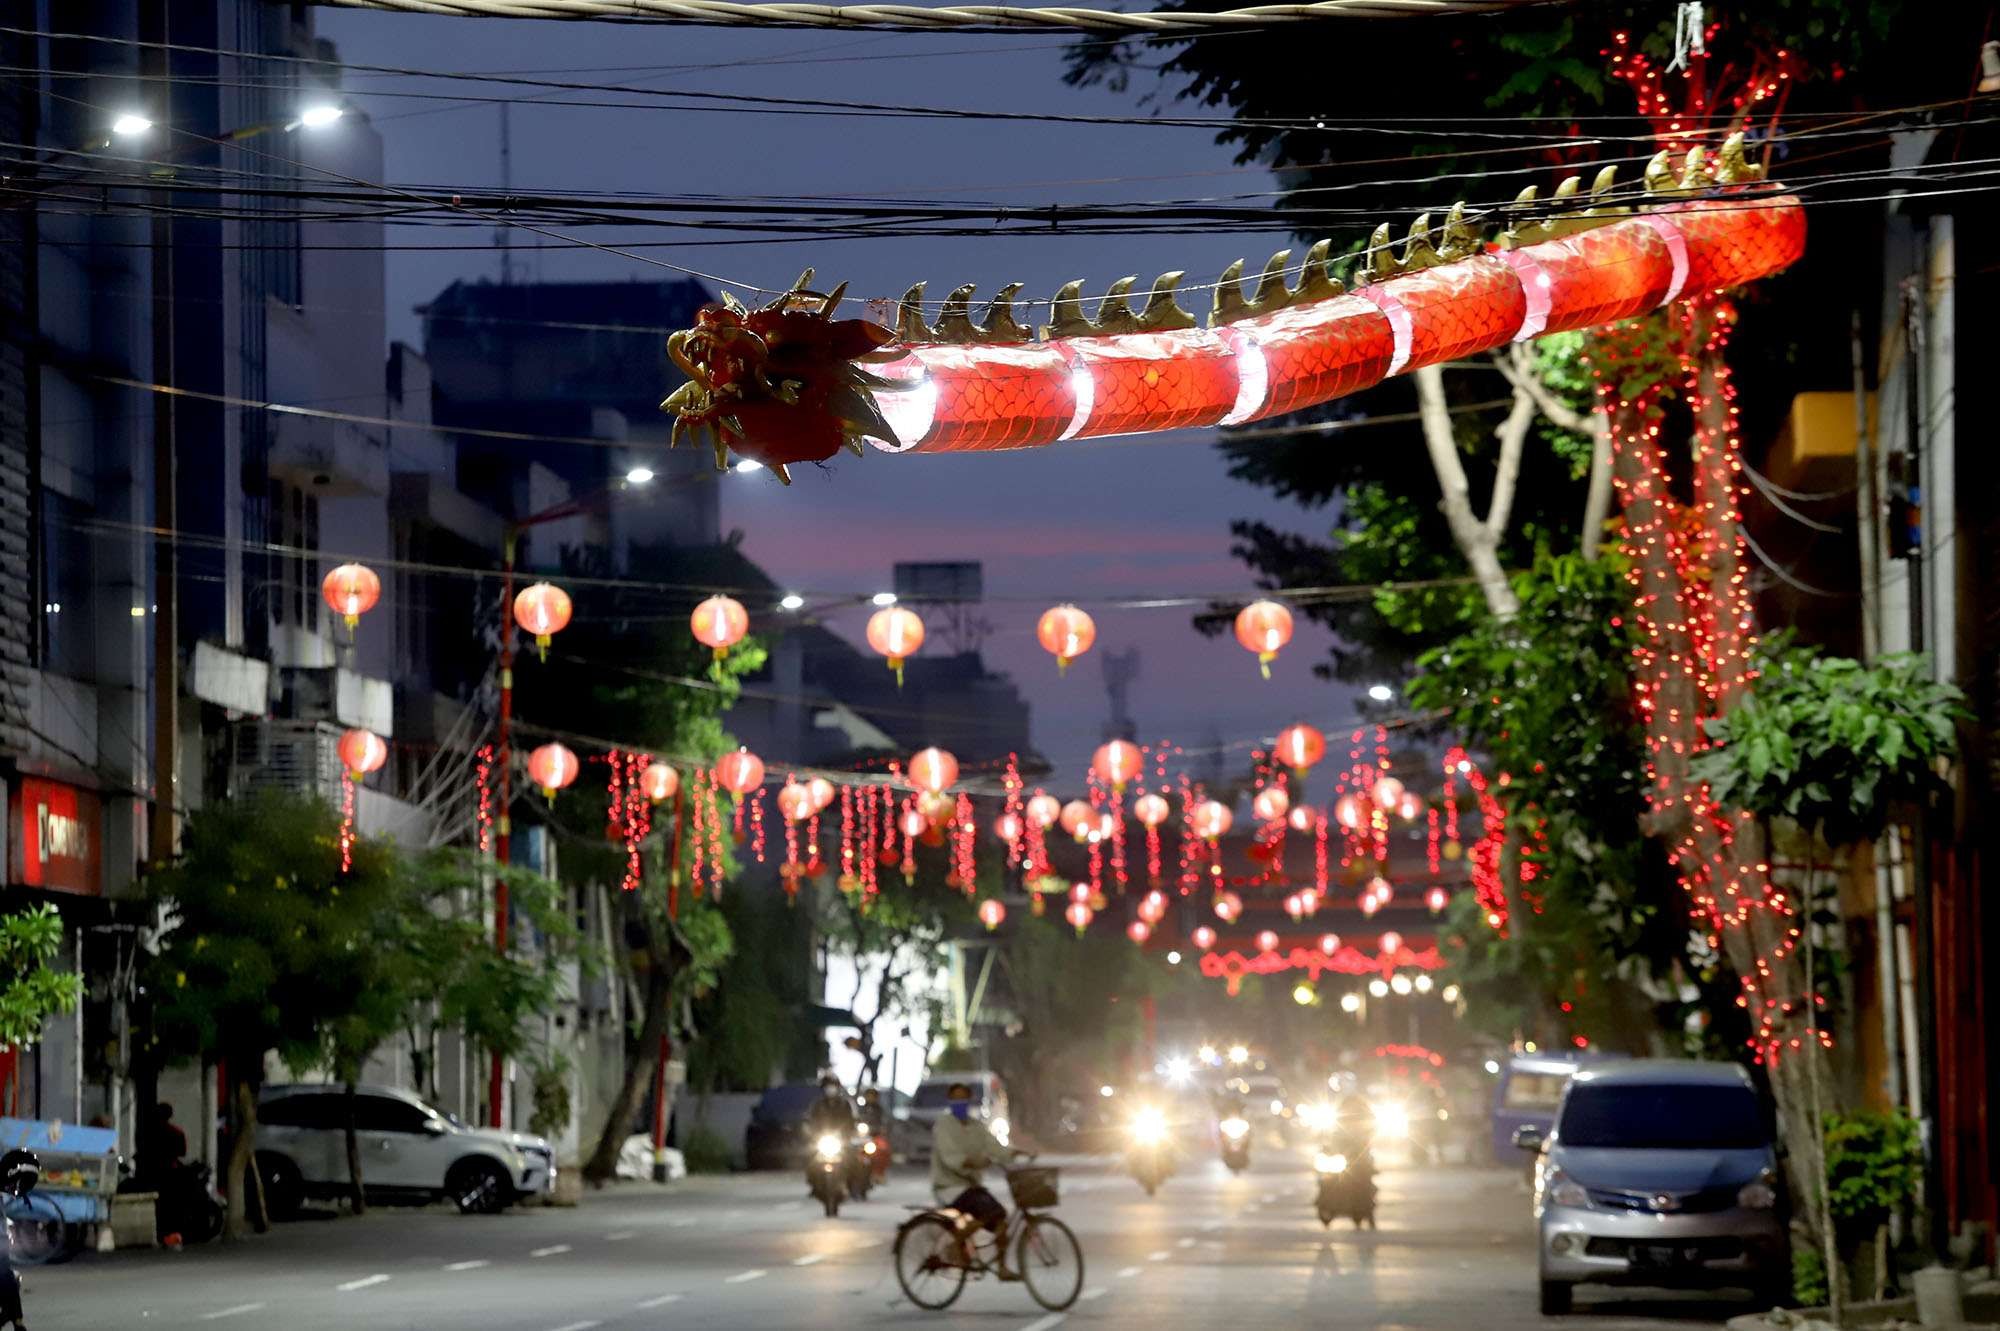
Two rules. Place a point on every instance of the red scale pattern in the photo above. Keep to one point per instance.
(1156, 381)
(1737, 239)
(998, 397)
(1315, 353)
(1602, 276)
(1459, 308)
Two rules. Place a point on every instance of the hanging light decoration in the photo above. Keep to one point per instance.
(361, 752)
(992, 913)
(1008, 827)
(913, 822)
(1369, 904)
(1408, 807)
(937, 807)
(1302, 817)
(1079, 914)
(1264, 627)
(932, 769)
(1202, 937)
(1139, 931)
(822, 793)
(1295, 906)
(719, 623)
(1116, 762)
(1152, 907)
(1044, 810)
(1347, 811)
(1212, 819)
(1267, 940)
(1228, 906)
(1152, 810)
(1329, 944)
(1387, 793)
(795, 802)
(1391, 943)
(542, 611)
(1079, 819)
(1381, 890)
(1437, 899)
(659, 781)
(1308, 901)
(1299, 747)
(1066, 633)
(351, 591)
(1271, 803)
(896, 633)
(739, 773)
(552, 767)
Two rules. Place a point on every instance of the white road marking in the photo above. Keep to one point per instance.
(237, 1311)
(618, 1236)
(810, 1259)
(1210, 1226)
(1185, 1243)
(786, 1206)
(744, 1277)
(553, 1250)
(349, 1287)
(1048, 1323)
(681, 1221)
(1159, 1256)
(578, 1326)
(660, 1302)
(1128, 1273)
(1097, 1293)
(1268, 1198)
(473, 1265)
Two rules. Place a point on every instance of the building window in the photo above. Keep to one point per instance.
(68, 570)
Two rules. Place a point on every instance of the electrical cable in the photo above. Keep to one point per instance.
(1769, 492)
(1786, 574)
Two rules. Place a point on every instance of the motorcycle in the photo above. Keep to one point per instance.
(1149, 1149)
(1236, 1143)
(1346, 1186)
(188, 1206)
(861, 1155)
(827, 1172)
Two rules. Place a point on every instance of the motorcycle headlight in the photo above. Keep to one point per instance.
(1758, 1195)
(828, 1147)
(1235, 1129)
(1325, 1163)
(1149, 1127)
(868, 1148)
(1563, 1191)
(999, 1127)
(1318, 1116)
(1392, 1121)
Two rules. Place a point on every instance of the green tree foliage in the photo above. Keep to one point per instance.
(33, 990)
(748, 1018)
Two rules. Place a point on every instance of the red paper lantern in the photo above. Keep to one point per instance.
(1264, 627)
(896, 633)
(1152, 907)
(542, 610)
(1409, 806)
(1302, 817)
(1139, 931)
(1309, 901)
(1267, 941)
(1203, 937)
(1380, 889)
(1151, 810)
(1391, 943)
(795, 802)
(1079, 819)
(1044, 810)
(1117, 762)
(1295, 907)
(1299, 747)
(1079, 914)
(992, 913)
(1369, 904)
(1227, 907)
(1212, 819)
(659, 781)
(739, 773)
(1008, 827)
(1329, 943)
(719, 623)
(1387, 793)
(1079, 891)
(1437, 899)
(352, 591)
(822, 793)
(552, 767)
(937, 807)
(913, 822)
(933, 769)
(1347, 812)
(1271, 803)
(361, 752)
(1066, 633)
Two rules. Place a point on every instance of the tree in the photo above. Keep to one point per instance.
(33, 990)
(266, 944)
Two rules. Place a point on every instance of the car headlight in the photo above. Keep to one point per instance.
(1392, 1121)
(1324, 1163)
(828, 1147)
(1235, 1129)
(1758, 1195)
(1563, 1191)
(1319, 1116)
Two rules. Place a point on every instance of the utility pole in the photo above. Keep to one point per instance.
(503, 235)
(163, 826)
(503, 826)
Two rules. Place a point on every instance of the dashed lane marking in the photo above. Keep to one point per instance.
(553, 1250)
(578, 1326)
(1048, 1323)
(1159, 1256)
(810, 1259)
(350, 1286)
(786, 1206)
(1128, 1273)
(745, 1277)
(237, 1311)
(1091, 1295)
(659, 1302)
(618, 1236)
(1185, 1243)
(473, 1265)
(681, 1221)
(1210, 1226)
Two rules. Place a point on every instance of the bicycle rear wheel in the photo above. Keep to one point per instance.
(1050, 1261)
(929, 1264)
(40, 1236)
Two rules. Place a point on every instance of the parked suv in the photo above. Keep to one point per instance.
(1659, 1172)
(410, 1152)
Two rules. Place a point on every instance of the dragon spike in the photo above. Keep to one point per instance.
(804, 282)
(1316, 279)
(1568, 188)
(857, 411)
(733, 305)
(1694, 171)
(1162, 312)
(782, 472)
(1066, 313)
(1114, 315)
(910, 325)
(955, 319)
(1732, 166)
(1660, 173)
(1376, 261)
(831, 303)
(1271, 293)
(1418, 252)
(1605, 181)
(1461, 239)
(1000, 324)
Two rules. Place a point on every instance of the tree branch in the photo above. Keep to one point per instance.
(1597, 498)
(1513, 432)
(1467, 532)
(1518, 367)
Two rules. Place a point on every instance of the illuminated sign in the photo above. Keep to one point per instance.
(57, 828)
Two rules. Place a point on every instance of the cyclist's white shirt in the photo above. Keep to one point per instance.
(953, 1145)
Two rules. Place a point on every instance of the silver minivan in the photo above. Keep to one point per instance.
(1659, 1172)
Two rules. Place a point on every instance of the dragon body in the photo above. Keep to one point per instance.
(965, 386)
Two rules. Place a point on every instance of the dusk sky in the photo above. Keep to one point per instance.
(1087, 522)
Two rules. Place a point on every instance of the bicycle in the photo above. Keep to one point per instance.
(935, 1254)
(38, 1232)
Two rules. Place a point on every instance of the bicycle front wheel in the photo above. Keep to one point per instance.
(929, 1263)
(39, 1234)
(1050, 1261)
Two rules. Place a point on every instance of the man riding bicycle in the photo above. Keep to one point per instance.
(961, 1149)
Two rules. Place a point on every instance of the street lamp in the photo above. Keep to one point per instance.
(1381, 692)
(319, 115)
(639, 476)
(130, 125)
(791, 601)
(1350, 1001)
(883, 598)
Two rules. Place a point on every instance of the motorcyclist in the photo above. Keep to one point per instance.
(833, 1112)
(875, 1122)
(961, 1149)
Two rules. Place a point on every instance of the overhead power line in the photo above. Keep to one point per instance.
(918, 18)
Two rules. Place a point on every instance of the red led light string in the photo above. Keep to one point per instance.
(346, 820)
(756, 803)
(964, 846)
(482, 775)
(848, 879)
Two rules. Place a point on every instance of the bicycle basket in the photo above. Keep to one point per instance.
(1033, 1187)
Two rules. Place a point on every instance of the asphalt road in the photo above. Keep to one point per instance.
(1453, 1251)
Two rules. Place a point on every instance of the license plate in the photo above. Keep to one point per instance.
(1656, 1255)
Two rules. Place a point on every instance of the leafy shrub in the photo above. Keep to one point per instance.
(706, 1152)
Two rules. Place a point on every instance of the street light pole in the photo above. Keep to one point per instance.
(503, 833)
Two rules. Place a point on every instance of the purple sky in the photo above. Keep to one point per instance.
(1083, 522)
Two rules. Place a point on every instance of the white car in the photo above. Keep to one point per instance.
(410, 1152)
